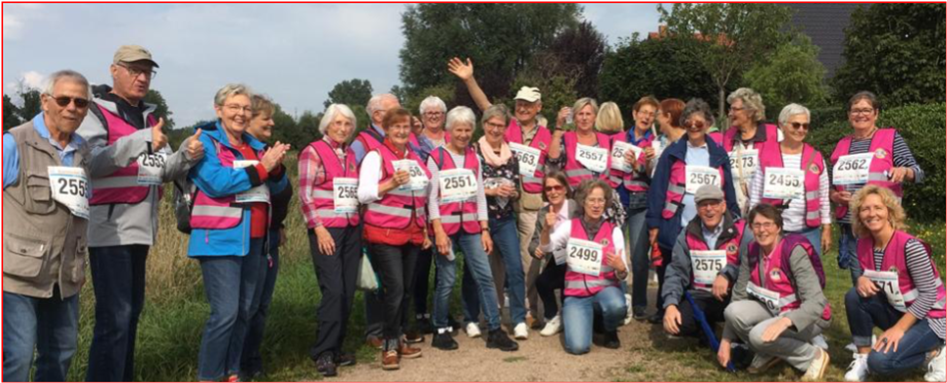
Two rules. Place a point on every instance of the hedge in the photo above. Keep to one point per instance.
(922, 127)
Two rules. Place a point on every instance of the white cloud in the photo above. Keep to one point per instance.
(18, 17)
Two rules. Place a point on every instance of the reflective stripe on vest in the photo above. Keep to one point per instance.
(396, 208)
(636, 182)
(582, 285)
(324, 194)
(541, 141)
(882, 144)
(677, 188)
(894, 260)
(732, 247)
(810, 156)
(575, 171)
(455, 215)
(121, 187)
(778, 275)
(218, 213)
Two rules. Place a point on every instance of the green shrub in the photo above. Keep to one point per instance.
(922, 126)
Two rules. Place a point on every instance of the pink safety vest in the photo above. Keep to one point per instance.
(635, 182)
(370, 139)
(218, 213)
(582, 285)
(677, 186)
(514, 133)
(732, 248)
(122, 186)
(726, 139)
(894, 260)
(882, 144)
(324, 193)
(814, 170)
(778, 272)
(455, 215)
(575, 171)
(397, 207)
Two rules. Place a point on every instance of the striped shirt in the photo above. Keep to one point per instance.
(922, 273)
(902, 158)
(794, 217)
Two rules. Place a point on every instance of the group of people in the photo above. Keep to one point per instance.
(561, 224)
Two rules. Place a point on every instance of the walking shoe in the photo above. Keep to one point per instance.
(552, 327)
(326, 366)
(424, 324)
(444, 341)
(374, 342)
(473, 330)
(611, 340)
(413, 337)
(657, 318)
(520, 332)
(408, 352)
(640, 313)
(345, 360)
(817, 368)
(390, 360)
(499, 340)
(762, 363)
(858, 370)
(935, 370)
(631, 312)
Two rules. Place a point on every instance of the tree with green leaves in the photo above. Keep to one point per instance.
(350, 92)
(895, 51)
(791, 74)
(661, 67)
(32, 103)
(579, 53)
(500, 38)
(10, 112)
(161, 110)
(736, 35)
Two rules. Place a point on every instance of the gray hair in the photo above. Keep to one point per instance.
(67, 75)
(231, 90)
(696, 105)
(792, 110)
(374, 104)
(752, 101)
(585, 188)
(334, 111)
(583, 102)
(496, 110)
(433, 102)
(460, 115)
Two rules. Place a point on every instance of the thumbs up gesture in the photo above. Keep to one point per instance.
(195, 148)
(158, 138)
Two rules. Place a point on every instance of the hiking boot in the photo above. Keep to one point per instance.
(611, 340)
(375, 342)
(408, 352)
(326, 365)
(444, 341)
(390, 360)
(499, 340)
(413, 337)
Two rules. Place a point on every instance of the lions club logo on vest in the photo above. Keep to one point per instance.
(775, 275)
(893, 269)
(814, 169)
(605, 242)
(732, 249)
(881, 154)
(542, 146)
(352, 168)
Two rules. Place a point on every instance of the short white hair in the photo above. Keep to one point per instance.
(460, 115)
(231, 90)
(334, 111)
(752, 101)
(374, 104)
(433, 102)
(792, 110)
(68, 75)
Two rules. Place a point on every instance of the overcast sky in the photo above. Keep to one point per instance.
(295, 53)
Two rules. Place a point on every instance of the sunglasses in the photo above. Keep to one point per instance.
(698, 125)
(799, 125)
(557, 188)
(64, 101)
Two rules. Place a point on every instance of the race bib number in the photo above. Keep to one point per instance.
(748, 161)
(619, 149)
(594, 159)
(584, 257)
(698, 176)
(70, 187)
(528, 158)
(783, 184)
(767, 297)
(888, 282)
(258, 194)
(853, 169)
(345, 195)
(150, 167)
(707, 264)
(418, 180)
(457, 185)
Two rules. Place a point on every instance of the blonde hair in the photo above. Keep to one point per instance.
(609, 119)
(896, 214)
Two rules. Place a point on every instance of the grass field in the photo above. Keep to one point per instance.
(171, 325)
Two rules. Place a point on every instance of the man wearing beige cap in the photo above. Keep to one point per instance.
(130, 163)
(529, 142)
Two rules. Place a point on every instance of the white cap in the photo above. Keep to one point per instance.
(529, 94)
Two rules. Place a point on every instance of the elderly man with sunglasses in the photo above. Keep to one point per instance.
(130, 163)
(45, 218)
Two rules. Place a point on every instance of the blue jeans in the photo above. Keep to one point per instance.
(578, 315)
(252, 361)
(505, 235)
(814, 235)
(640, 259)
(231, 285)
(864, 314)
(118, 276)
(477, 268)
(49, 325)
(848, 251)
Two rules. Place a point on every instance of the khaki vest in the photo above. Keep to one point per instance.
(44, 245)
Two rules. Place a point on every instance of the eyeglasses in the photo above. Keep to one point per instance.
(737, 109)
(135, 72)
(763, 225)
(494, 125)
(238, 108)
(856, 112)
(557, 188)
(434, 114)
(595, 201)
(64, 101)
(799, 125)
(699, 125)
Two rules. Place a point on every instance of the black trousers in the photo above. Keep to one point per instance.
(712, 308)
(395, 266)
(552, 278)
(422, 276)
(337, 275)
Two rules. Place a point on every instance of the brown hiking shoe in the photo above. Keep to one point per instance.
(408, 352)
(389, 360)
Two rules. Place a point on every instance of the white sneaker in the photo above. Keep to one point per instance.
(935, 370)
(630, 315)
(473, 330)
(552, 327)
(820, 342)
(817, 368)
(521, 332)
(858, 370)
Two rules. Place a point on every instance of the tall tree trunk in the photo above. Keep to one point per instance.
(721, 112)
